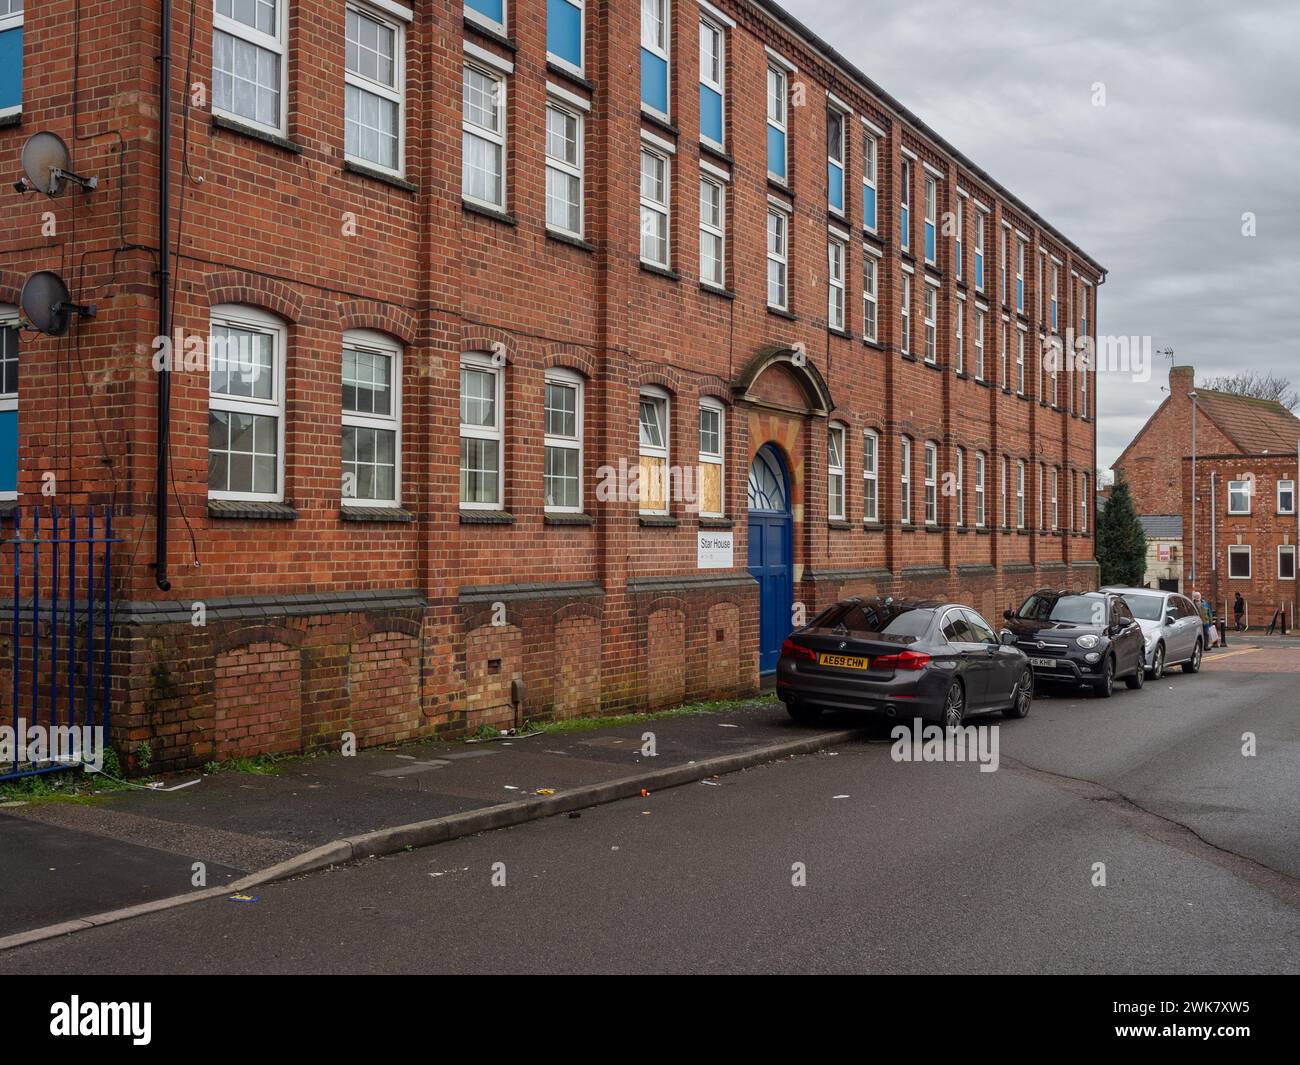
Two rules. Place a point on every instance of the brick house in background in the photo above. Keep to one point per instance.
(491, 264)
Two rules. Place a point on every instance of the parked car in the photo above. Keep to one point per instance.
(902, 657)
(1087, 638)
(1171, 628)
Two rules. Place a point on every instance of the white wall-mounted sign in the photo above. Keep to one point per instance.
(714, 549)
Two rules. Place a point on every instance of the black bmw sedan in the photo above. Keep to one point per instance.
(902, 658)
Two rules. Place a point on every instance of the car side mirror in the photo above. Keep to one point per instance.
(1007, 637)
(1170, 618)
(1008, 614)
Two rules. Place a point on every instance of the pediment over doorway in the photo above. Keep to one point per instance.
(776, 378)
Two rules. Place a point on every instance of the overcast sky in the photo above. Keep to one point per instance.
(1201, 123)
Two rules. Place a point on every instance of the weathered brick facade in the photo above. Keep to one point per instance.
(434, 618)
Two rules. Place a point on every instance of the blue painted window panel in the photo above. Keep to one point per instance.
(1020, 294)
(776, 152)
(868, 207)
(492, 9)
(711, 114)
(1053, 314)
(979, 270)
(654, 81)
(8, 451)
(564, 31)
(958, 264)
(11, 68)
(902, 236)
(835, 185)
(929, 240)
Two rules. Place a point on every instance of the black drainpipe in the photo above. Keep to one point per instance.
(164, 291)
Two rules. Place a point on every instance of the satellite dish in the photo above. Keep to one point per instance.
(47, 304)
(46, 160)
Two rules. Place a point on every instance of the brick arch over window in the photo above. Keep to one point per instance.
(11, 286)
(711, 387)
(250, 634)
(240, 286)
(816, 393)
(572, 359)
(485, 338)
(396, 321)
(663, 376)
(579, 609)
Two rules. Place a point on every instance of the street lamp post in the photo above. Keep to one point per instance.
(1192, 397)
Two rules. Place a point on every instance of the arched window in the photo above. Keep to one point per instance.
(372, 419)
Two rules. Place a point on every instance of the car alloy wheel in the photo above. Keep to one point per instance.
(1193, 665)
(1022, 695)
(1106, 685)
(954, 706)
(1139, 677)
(1158, 663)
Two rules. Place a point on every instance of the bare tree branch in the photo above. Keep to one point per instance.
(1257, 385)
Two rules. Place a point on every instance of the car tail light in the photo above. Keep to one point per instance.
(795, 650)
(910, 660)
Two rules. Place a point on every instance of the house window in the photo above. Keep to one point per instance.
(1020, 275)
(1020, 361)
(931, 308)
(11, 57)
(481, 432)
(777, 258)
(835, 473)
(371, 407)
(931, 472)
(1002, 263)
(562, 443)
(246, 405)
(1002, 492)
(959, 491)
(1239, 562)
(564, 150)
(712, 442)
(1286, 562)
(905, 481)
(8, 402)
(905, 334)
(1084, 504)
(654, 208)
(1081, 370)
(870, 475)
(958, 233)
(835, 159)
(979, 344)
(1003, 379)
(1042, 491)
(931, 208)
(248, 59)
(869, 296)
(1239, 493)
(654, 56)
(980, 513)
(713, 214)
(712, 83)
(777, 100)
(374, 61)
(491, 13)
(1020, 493)
(959, 337)
(564, 33)
(835, 294)
(870, 148)
(904, 203)
(1054, 296)
(979, 250)
(1056, 478)
(653, 466)
(483, 136)
(1286, 497)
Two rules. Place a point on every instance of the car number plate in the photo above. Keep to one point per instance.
(842, 661)
(1044, 663)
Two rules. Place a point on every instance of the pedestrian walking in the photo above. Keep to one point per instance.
(1238, 611)
(1204, 609)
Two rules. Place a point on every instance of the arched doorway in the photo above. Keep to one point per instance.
(771, 552)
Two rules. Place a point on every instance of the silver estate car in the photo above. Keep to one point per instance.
(1171, 628)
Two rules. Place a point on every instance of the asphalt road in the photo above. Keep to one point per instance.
(910, 867)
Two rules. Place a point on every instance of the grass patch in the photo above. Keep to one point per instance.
(69, 785)
(264, 764)
(590, 724)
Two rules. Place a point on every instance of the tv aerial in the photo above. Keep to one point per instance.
(48, 305)
(46, 162)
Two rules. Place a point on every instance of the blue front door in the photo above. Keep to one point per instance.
(770, 552)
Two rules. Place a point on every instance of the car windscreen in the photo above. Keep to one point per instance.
(1075, 609)
(893, 619)
(1146, 607)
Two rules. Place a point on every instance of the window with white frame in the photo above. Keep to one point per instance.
(1286, 562)
(9, 399)
(712, 82)
(1056, 355)
(1002, 263)
(565, 23)
(1042, 493)
(870, 476)
(1020, 493)
(482, 425)
(931, 307)
(835, 159)
(1239, 493)
(1042, 289)
(904, 204)
(655, 185)
(1239, 562)
(1054, 295)
(248, 61)
(835, 254)
(905, 480)
(654, 56)
(959, 337)
(959, 488)
(979, 343)
(905, 310)
(653, 426)
(835, 472)
(246, 404)
(870, 160)
(1056, 478)
(981, 514)
(374, 75)
(1020, 275)
(1286, 496)
(1003, 380)
(931, 213)
(11, 57)
(491, 13)
(1084, 504)
(713, 422)
(777, 258)
(870, 299)
(1020, 361)
(777, 106)
(979, 250)
(562, 441)
(1002, 492)
(931, 482)
(713, 215)
(483, 138)
(1081, 371)
(564, 165)
(958, 233)
(371, 407)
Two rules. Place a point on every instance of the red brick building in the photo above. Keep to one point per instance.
(559, 355)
